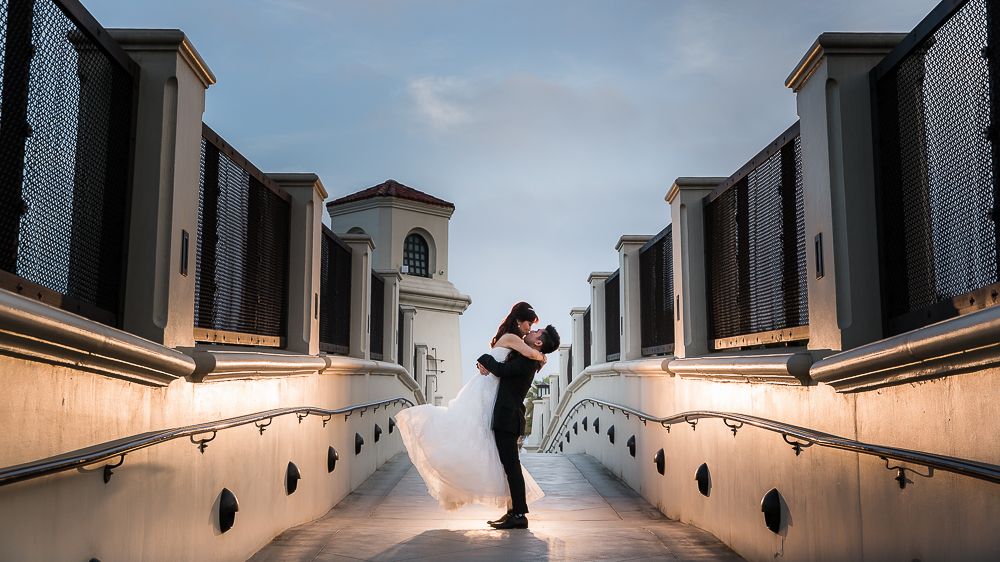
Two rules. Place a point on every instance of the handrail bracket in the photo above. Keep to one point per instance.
(203, 443)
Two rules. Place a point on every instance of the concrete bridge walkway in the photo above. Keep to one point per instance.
(587, 514)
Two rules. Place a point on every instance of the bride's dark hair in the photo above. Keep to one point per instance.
(518, 313)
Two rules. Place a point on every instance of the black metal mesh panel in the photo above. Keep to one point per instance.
(937, 153)
(656, 293)
(611, 317)
(335, 295)
(755, 229)
(587, 338)
(242, 262)
(65, 156)
(377, 317)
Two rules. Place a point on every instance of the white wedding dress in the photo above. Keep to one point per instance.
(453, 448)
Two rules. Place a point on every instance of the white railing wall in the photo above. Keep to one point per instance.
(926, 390)
(79, 383)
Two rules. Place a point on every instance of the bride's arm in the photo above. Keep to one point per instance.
(518, 345)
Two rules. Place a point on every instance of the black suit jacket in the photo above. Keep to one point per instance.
(516, 375)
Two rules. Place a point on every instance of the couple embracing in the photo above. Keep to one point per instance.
(467, 452)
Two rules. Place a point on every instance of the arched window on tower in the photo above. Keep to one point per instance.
(416, 256)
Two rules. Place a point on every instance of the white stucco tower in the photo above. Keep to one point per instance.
(410, 231)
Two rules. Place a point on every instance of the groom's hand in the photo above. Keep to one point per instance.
(482, 370)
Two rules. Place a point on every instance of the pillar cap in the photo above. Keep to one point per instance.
(408, 309)
(389, 273)
(357, 239)
(632, 240)
(565, 347)
(578, 310)
(703, 183)
(838, 43)
(164, 40)
(598, 276)
(286, 180)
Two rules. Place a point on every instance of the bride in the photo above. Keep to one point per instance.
(453, 447)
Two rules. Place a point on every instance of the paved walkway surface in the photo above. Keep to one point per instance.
(586, 514)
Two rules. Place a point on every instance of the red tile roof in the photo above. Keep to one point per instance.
(392, 188)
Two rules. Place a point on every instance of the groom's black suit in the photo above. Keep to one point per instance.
(516, 375)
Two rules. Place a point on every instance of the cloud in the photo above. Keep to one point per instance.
(438, 101)
(527, 115)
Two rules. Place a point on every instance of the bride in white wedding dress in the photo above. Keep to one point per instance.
(453, 447)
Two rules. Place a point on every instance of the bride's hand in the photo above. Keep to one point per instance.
(544, 359)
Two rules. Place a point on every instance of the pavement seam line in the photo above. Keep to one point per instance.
(591, 482)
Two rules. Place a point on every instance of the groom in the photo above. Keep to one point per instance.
(516, 374)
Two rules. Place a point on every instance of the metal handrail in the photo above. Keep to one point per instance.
(800, 438)
(121, 447)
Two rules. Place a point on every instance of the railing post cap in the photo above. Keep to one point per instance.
(632, 240)
(300, 180)
(578, 311)
(163, 40)
(841, 43)
(598, 276)
(389, 274)
(685, 183)
(357, 239)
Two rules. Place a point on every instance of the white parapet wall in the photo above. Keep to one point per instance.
(836, 505)
(71, 386)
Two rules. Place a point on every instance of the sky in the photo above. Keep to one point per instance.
(554, 127)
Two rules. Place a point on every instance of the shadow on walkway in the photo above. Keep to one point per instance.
(586, 514)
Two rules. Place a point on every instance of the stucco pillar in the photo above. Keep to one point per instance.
(555, 391)
(833, 98)
(628, 295)
(407, 362)
(540, 418)
(552, 400)
(420, 369)
(361, 279)
(304, 259)
(390, 318)
(686, 197)
(576, 315)
(159, 287)
(564, 374)
(598, 325)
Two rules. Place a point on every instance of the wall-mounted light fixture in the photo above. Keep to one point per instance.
(228, 506)
(292, 477)
(332, 456)
(704, 478)
(770, 505)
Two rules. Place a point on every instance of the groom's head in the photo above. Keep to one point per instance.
(545, 339)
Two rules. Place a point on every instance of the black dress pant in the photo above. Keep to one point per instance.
(507, 448)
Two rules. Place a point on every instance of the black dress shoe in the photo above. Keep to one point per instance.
(518, 521)
(502, 518)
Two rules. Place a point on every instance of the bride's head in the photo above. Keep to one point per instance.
(518, 322)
